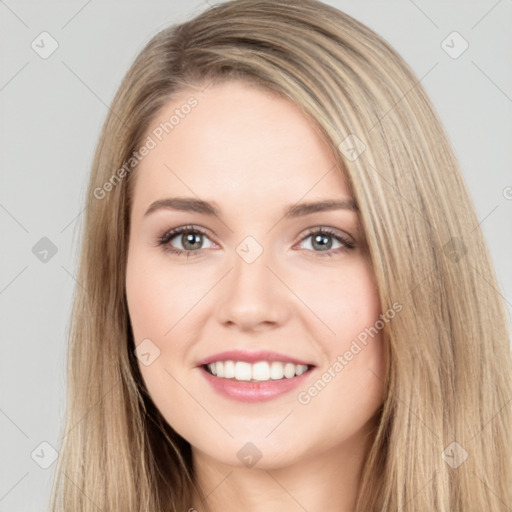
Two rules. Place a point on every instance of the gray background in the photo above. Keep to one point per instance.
(51, 113)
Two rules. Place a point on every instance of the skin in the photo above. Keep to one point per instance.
(253, 154)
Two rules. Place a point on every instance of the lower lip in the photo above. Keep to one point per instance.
(245, 391)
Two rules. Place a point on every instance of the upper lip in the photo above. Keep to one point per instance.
(251, 357)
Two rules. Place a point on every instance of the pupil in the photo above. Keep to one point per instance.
(321, 240)
(190, 239)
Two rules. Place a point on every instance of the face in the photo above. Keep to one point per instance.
(272, 297)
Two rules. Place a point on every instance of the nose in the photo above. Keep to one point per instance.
(253, 296)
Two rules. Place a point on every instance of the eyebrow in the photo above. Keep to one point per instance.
(186, 204)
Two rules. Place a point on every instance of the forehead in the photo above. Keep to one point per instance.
(234, 142)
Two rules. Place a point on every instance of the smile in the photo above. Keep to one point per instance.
(259, 371)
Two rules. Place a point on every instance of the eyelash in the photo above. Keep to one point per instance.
(164, 240)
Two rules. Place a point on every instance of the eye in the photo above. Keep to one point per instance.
(192, 237)
(320, 240)
(190, 240)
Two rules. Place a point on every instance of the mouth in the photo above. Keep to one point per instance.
(254, 376)
(260, 371)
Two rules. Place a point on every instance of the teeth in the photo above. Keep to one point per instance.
(260, 371)
(229, 369)
(276, 370)
(242, 370)
(289, 370)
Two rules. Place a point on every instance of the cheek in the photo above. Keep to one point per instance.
(154, 310)
(359, 334)
(346, 302)
(157, 296)
(354, 367)
(143, 302)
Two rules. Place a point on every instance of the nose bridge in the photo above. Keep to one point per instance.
(250, 273)
(251, 295)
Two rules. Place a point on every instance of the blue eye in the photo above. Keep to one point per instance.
(194, 236)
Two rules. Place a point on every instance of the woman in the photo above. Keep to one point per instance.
(265, 368)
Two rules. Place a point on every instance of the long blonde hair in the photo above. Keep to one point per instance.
(443, 441)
